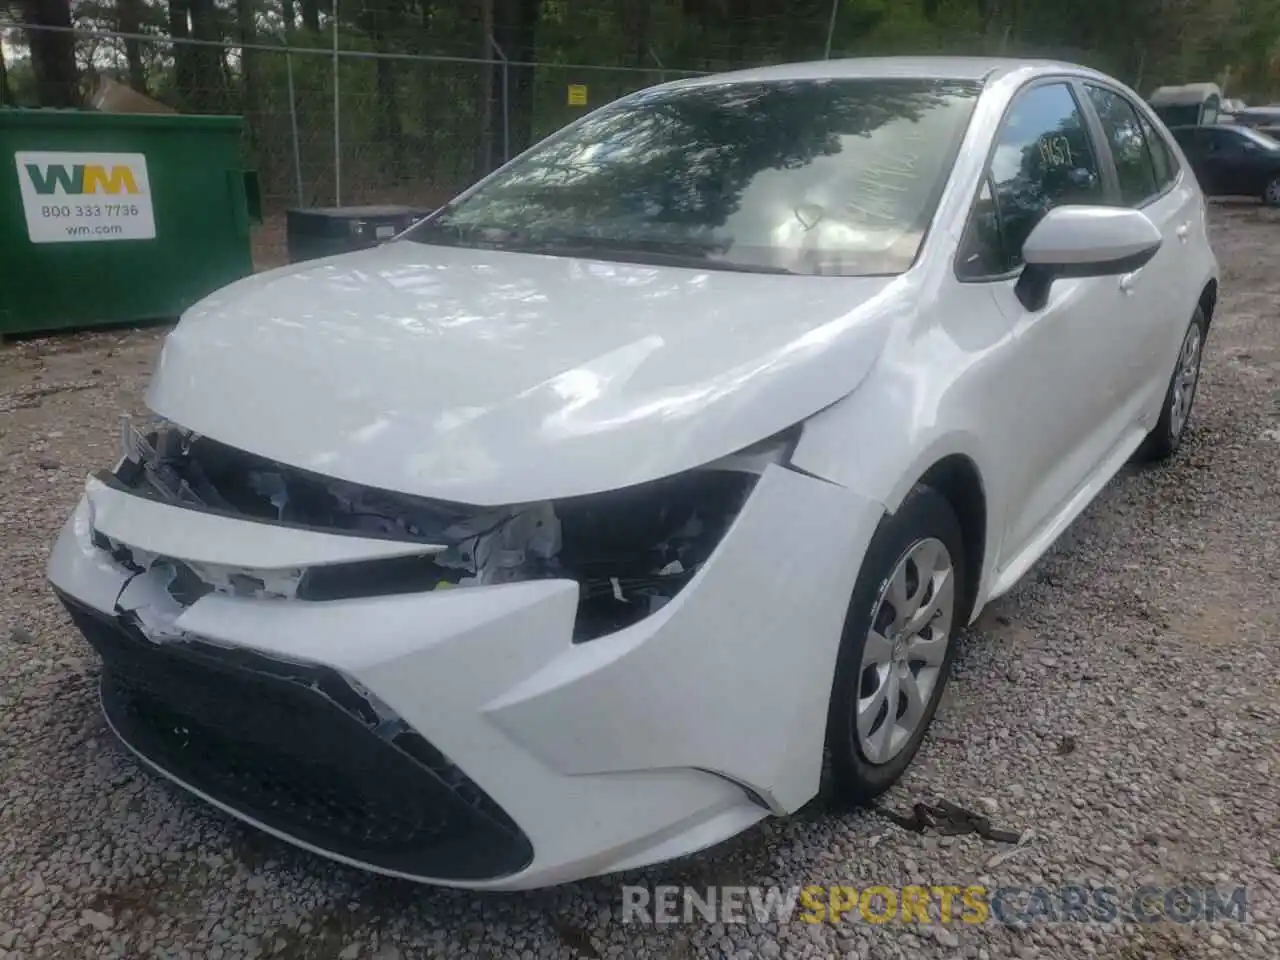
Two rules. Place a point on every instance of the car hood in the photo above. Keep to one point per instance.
(491, 378)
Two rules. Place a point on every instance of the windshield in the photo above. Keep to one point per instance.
(834, 177)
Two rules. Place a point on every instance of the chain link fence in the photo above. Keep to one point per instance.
(334, 125)
(346, 127)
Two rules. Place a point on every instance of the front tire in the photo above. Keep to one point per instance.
(908, 604)
(1271, 192)
(1166, 437)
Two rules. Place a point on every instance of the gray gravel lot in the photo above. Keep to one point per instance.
(1120, 706)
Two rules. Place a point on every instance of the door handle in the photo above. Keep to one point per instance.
(1128, 281)
(1183, 230)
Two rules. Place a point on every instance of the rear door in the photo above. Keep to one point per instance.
(1157, 306)
(1234, 164)
(1259, 160)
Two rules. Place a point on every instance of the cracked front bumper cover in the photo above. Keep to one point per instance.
(298, 749)
(645, 744)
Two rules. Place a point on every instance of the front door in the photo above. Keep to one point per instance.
(1058, 383)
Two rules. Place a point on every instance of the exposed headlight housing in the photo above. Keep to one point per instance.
(630, 550)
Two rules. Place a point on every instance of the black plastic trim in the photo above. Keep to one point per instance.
(298, 748)
(1033, 286)
(115, 483)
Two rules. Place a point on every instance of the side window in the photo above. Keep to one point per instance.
(1133, 161)
(1237, 142)
(981, 250)
(1043, 159)
(1166, 163)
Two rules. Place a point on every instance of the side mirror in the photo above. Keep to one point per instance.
(1083, 241)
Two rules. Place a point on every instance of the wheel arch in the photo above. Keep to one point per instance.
(949, 457)
(957, 478)
(1208, 301)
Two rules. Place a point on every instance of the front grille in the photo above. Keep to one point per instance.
(296, 748)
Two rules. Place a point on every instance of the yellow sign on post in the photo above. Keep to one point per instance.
(577, 94)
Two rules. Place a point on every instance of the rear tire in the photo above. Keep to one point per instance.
(1166, 437)
(1271, 192)
(907, 606)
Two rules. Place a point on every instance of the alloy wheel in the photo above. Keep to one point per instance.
(1185, 379)
(905, 650)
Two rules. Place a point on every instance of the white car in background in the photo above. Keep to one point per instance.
(563, 533)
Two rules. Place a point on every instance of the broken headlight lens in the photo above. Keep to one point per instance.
(633, 550)
(630, 550)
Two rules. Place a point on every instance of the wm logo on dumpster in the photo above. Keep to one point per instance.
(81, 179)
(84, 196)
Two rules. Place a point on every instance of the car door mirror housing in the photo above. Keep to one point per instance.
(1084, 241)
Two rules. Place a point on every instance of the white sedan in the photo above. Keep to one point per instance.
(569, 530)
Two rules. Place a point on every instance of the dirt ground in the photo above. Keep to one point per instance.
(1122, 703)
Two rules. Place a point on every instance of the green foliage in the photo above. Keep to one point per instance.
(413, 127)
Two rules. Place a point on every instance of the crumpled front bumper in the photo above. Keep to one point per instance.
(461, 737)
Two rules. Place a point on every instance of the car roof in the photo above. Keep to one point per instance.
(931, 68)
(1187, 93)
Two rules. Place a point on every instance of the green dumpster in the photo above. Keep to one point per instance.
(118, 218)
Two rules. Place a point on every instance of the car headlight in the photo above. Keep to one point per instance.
(630, 550)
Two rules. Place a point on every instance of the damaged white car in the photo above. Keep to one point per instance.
(569, 530)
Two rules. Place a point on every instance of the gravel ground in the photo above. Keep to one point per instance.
(1120, 707)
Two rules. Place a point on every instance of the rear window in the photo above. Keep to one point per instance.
(1174, 114)
(836, 177)
(1162, 156)
(1135, 165)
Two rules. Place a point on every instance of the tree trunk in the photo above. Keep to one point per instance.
(488, 156)
(386, 125)
(311, 15)
(129, 19)
(247, 34)
(987, 11)
(250, 94)
(288, 15)
(741, 31)
(207, 82)
(804, 30)
(183, 59)
(515, 29)
(636, 21)
(53, 52)
(6, 95)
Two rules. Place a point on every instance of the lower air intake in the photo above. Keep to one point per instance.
(295, 748)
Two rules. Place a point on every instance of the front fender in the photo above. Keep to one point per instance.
(881, 439)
